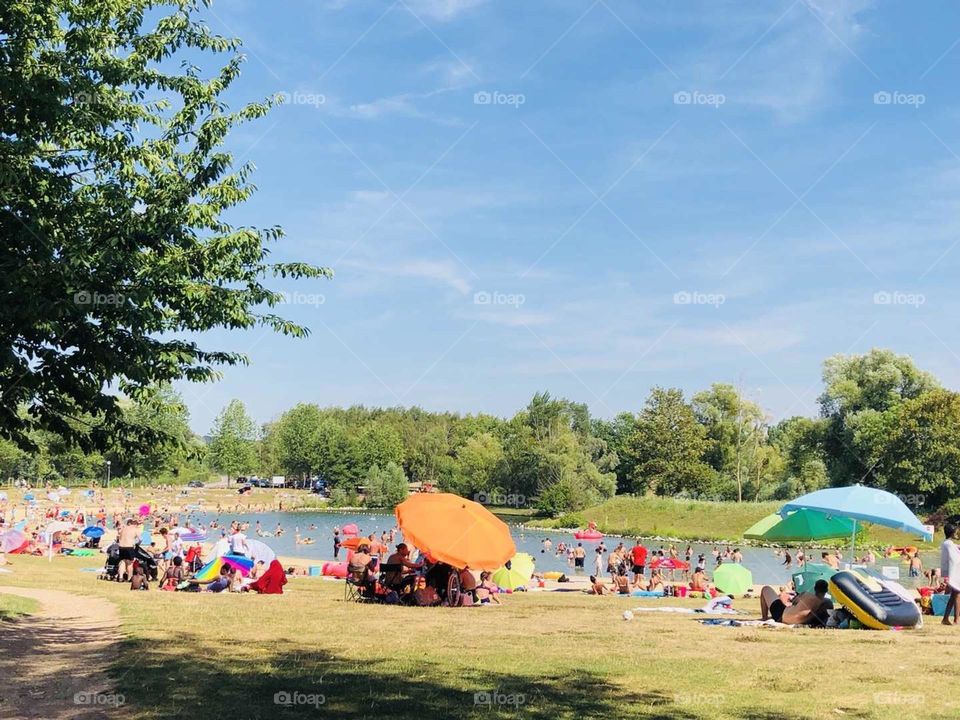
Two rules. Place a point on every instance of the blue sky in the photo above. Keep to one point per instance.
(593, 199)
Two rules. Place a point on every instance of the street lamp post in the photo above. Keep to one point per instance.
(108, 473)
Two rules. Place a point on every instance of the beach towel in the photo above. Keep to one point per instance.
(272, 581)
(690, 611)
(718, 622)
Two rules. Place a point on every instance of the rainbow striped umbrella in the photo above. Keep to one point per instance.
(211, 570)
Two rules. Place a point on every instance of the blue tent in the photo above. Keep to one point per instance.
(862, 503)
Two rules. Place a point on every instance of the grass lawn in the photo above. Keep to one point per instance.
(12, 607)
(693, 520)
(542, 655)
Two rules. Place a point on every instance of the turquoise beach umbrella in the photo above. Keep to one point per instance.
(862, 503)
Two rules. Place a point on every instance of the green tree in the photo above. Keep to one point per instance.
(335, 454)
(668, 446)
(478, 461)
(549, 454)
(231, 450)
(297, 441)
(387, 487)
(167, 419)
(799, 441)
(377, 445)
(858, 389)
(921, 456)
(735, 427)
(616, 434)
(115, 190)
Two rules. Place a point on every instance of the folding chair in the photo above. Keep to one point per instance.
(354, 589)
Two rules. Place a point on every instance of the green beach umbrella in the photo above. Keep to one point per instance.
(517, 575)
(732, 579)
(757, 530)
(806, 525)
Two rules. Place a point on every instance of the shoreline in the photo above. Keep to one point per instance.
(224, 500)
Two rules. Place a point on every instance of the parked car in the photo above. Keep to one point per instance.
(195, 484)
(319, 487)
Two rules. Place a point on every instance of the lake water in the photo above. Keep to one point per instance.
(762, 562)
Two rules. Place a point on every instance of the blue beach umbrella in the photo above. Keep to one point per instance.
(862, 503)
(93, 532)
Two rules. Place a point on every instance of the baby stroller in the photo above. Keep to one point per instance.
(143, 558)
(112, 566)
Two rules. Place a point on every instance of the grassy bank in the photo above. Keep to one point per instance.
(555, 655)
(691, 520)
(13, 607)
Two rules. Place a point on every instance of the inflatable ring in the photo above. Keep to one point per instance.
(871, 603)
(552, 575)
(588, 535)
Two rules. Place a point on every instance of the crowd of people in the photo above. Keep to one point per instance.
(166, 561)
(404, 579)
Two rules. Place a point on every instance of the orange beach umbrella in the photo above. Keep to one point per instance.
(455, 530)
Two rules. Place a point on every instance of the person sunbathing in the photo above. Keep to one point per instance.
(804, 609)
(656, 580)
(698, 583)
(218, 584)
(487, 590)
(621, 584)
(596, 587)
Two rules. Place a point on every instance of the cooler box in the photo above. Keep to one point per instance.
(938, 603)
(316, 570)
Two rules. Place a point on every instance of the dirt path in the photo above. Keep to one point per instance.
(52, 663)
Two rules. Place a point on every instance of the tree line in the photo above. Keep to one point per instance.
(882, 422)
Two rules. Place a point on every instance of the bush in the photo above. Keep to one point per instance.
(341, 497)
(949, 510)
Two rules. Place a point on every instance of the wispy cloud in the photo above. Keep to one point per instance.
(443, 10)
(441, 272)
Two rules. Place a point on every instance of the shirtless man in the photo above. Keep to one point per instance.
(805, 609)
(127, 541)
(698, 583)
